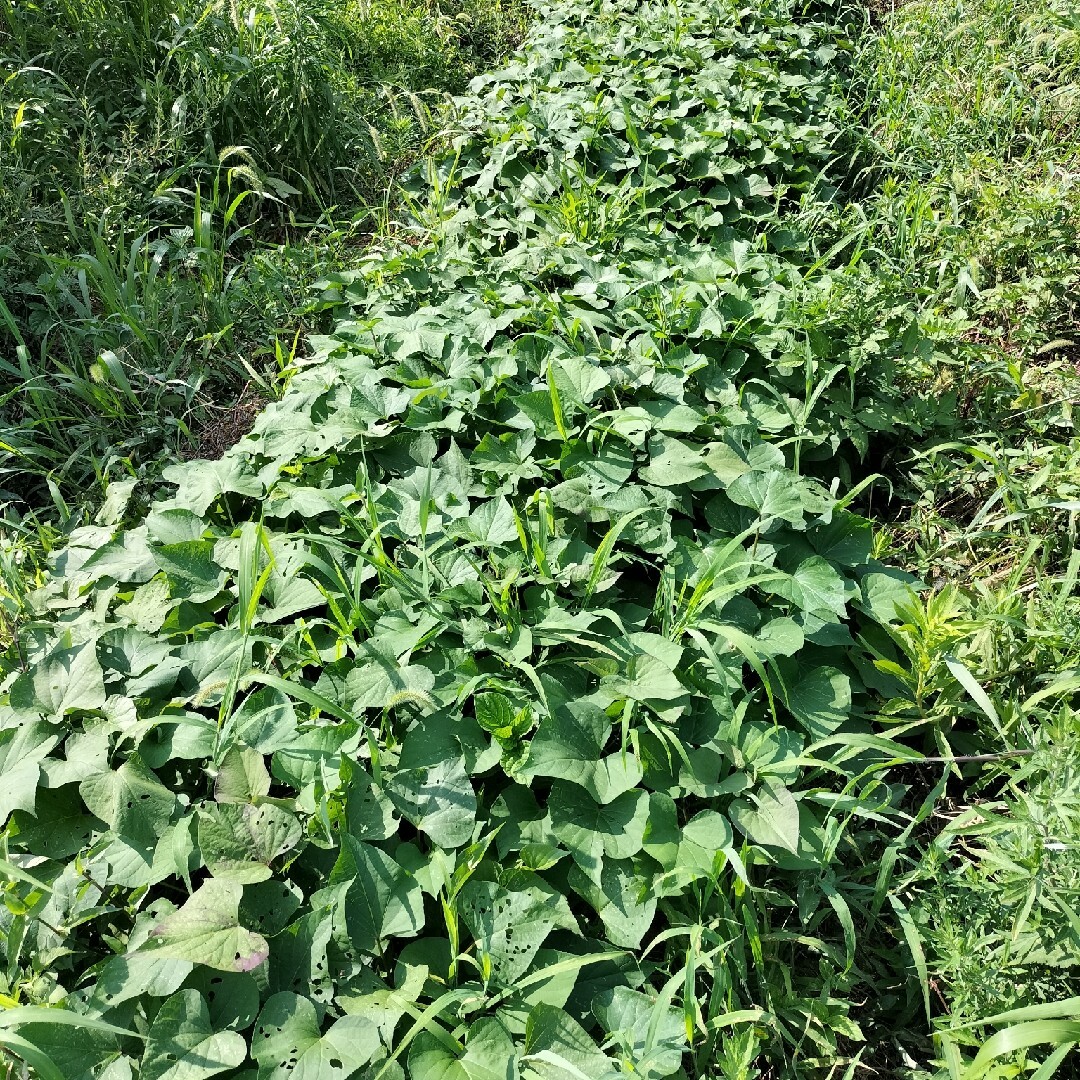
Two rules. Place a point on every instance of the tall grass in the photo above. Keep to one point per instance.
(968, 199)
(175, 176)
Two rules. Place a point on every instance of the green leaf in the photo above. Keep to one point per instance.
(181, 1044)
(1021, 1036)
(490, 524)
(557, 1047)
(376, 684)
(66, 681)
(126, 977)
(590, 831)
(131, 800)
(201, 483)
(383, 899)
(22, 750)
(431, 1059)
(266, 721)
(705, 836)
(816, 588)
(21, 1015)
(578, 380)
(662, 833)
(439, 800)
(240, 841)
(241, 777)
(647, 679)
(672, 462)
(510, 925)
(773, 494)
(288, 1043)
(654, 1033)
(206, 930)
(73, 1053)
(882, 590)
(820, 699)
(569, 744)
(490, 1054)
(191, 569)
(770, 817)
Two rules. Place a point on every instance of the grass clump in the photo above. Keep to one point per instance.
(176, 175)
(970, 120)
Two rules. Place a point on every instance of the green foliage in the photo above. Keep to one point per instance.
(523, 696)
(503, 703)
(969, 109)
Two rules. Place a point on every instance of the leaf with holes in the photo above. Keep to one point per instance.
(439, 800)
(288, 1043)
(268, 906)
(231, 996)
(241, 841)
(510, 926)
(369, 814)
(132, 801)
(622, 899)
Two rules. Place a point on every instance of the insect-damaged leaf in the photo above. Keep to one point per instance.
(131, 800)
(240, 841)
(439, 800)
(288, 1043)
(510, 925)
(621, 898)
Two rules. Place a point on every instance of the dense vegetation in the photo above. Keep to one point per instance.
(176, 175)
(640, 635)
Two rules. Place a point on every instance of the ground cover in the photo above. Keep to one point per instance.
(524, 696)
